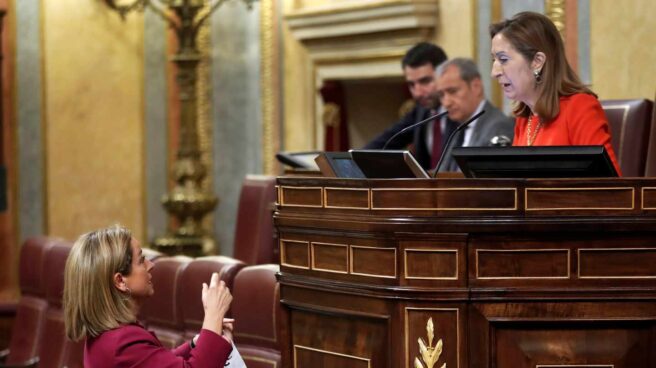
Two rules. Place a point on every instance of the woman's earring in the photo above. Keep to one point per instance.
(538, 76)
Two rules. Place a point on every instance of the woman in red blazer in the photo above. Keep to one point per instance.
(553, 107)
(107, 278)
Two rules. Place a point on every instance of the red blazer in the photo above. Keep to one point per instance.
(581, 122)
(133, 346)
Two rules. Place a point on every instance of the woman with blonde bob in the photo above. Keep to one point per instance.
(553, 107)
(107, 278)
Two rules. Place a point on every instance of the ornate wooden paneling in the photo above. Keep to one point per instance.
(505, 273)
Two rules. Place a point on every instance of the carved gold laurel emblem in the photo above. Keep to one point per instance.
(429, 354)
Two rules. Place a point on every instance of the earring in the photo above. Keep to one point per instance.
(538, 76)
(128, 292)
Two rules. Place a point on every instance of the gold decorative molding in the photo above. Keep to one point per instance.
(203, 93)
(429, 354)
(331, 112)
(555, 10)
(407, 329)
(270, 85)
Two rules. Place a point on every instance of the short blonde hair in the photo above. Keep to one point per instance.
(92, 305)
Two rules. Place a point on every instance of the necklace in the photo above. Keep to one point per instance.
(530, 134)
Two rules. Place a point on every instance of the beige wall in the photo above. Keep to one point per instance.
(456, 30)
(622, 48)
(93, 112)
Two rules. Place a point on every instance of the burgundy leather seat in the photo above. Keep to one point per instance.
(631, 124)
(162, 313)
(56, 350)
(254, 232)
(650, 167)
(32, 305)
(257, 312)
(194, 275)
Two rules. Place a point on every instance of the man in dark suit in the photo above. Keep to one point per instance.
(418, 65)
(460, 91)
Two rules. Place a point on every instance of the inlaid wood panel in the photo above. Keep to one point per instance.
(431, 264)
(610, 263)
(557, 344)
(295, 253)
(522, 264)
(649, 198)
(346, 198)
(330, 340)
(330, 257)
(301, 196)
(373, 261)
(446, 199)
(574, 199)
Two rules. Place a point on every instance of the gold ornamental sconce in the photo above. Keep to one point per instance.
(429, 354)
(186, 202)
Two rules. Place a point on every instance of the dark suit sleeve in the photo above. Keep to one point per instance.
(400, 141)
(136, 347)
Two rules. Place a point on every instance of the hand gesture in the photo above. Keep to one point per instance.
(216, 302)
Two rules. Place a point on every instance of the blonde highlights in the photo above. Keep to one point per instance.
(92, 304)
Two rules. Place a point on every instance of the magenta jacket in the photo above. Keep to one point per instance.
(133, 346)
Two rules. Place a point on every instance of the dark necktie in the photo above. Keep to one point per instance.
(437, 143)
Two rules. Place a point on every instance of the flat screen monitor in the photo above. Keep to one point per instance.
(299, 160)
(338, 165)
(535, 162)
(388, 164)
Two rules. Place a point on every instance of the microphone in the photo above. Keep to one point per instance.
(448, 141)
(430, 118)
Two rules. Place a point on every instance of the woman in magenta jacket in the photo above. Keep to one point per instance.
(107, 278)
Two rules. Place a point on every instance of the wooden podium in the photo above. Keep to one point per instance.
(460, 273)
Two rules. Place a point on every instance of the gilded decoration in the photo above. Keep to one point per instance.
(556, 12)
(331, 115)
(188, 203)
(429, 354)
(270, 82)
(204, 103)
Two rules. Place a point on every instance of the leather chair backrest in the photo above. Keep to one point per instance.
(254, 232)
(162, 312)
(650, 166)
(199, 271)
(32, 305)
(258, 314)
(56, 350)
(630, 124)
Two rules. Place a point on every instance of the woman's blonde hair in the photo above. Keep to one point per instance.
(530, 33)
(92, 304)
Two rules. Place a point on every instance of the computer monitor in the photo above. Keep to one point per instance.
(299, 160)
(338, 165)
(388, 164)
(535, 162)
